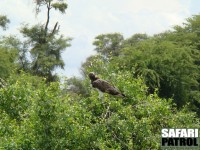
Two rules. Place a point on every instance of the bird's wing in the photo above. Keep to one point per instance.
(104, 86)
(113, 91)
(100, 84)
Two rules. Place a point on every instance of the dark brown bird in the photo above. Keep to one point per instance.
(103, 86)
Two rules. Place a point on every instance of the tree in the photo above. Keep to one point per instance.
(135, 39)
(12, 43)
(46, 45)
(108, 44)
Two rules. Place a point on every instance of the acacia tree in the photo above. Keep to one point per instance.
(46, 44)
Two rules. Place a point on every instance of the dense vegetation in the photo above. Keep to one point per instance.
(159, 75)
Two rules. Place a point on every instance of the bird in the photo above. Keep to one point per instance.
(103, 86)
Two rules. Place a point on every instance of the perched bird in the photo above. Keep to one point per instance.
(103, 86)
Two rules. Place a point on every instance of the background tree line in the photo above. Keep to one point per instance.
(160, 75)
(168, 62)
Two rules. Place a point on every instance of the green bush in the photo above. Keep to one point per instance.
(43, 117)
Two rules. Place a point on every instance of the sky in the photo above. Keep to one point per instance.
(85, 19)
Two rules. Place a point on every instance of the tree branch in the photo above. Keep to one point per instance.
(48, 16)
(54, 29)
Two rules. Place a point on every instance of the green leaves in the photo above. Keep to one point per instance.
(60, 6)
(108, 44)
(7, 59)
(39, 116)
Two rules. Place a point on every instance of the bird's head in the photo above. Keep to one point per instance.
(92, 76)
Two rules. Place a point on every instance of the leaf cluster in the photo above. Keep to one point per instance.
(4, 21)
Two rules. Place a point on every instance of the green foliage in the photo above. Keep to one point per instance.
(108, 44)
(15, 100)
(163, 65)
(159, 76)
(46, 51)
(36, 116)
(45, 45)
(135, 39)
(95, 63)
(12, 43)
(4, 21)
(60, 6)
(7, 59)
(77, 86)
(168, 61)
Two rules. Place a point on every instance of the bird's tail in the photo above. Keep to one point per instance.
(123, 95)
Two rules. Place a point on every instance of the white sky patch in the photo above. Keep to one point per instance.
(85, 19)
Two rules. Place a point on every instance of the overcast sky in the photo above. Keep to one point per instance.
(85, 19)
